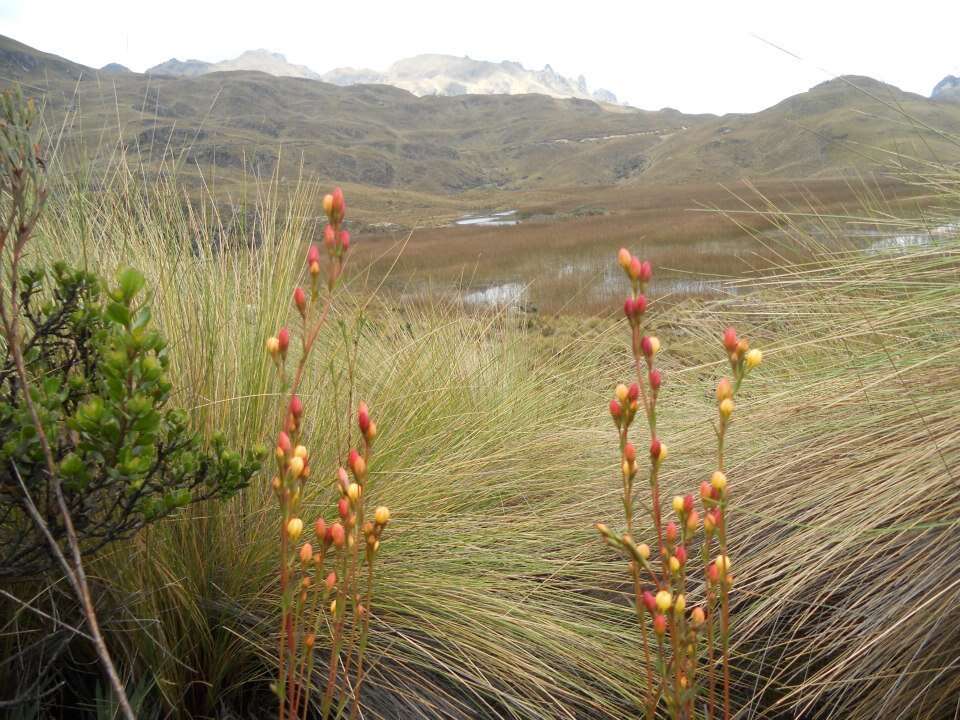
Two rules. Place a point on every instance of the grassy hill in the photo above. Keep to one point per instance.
(223, 125)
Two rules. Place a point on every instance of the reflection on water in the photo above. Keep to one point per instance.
(509, 294)
(905, 241)
(499, 219)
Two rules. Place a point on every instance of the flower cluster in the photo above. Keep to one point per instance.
(320, 581)
(681, 630)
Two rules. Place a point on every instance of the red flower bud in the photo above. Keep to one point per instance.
(713, 574)
(343, 508)
(300, 300)
(629, 452)
(633, 392)
(640, 305)
(283, 337)
(329, 238)
(313, 255)
(655, 448)
(646, 345)
(363, 417)
(320, 528)
(283, 442)
(671, 531)
(628, 308)
(615, 410)
(656, 379)
(635, 268)
(730, 339)
(688, 503)
(659, 624)
(681, 555)
(646, 271)
(345, 240)
(649, 602)
(331, 581)
(337, 534)
(296, 407)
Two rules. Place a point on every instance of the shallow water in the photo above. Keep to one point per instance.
(498, 219)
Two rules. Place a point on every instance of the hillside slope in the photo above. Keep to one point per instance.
(223, 124)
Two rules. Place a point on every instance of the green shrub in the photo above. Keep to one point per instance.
(101, 390)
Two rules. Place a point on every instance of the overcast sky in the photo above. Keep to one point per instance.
(694, 56)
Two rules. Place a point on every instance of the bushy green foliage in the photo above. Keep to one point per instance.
(102, 392)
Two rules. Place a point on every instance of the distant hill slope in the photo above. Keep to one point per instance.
(450, 75)
(385, 137)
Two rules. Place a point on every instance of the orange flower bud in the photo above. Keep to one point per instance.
(708, 523)
(337, 534)
(331, 580)
(660, 625)
(671, 532)
(693, 520)
(629, 453)
(306, 553)
(273, 346)
(724, 390)
(623, 258)
(697, 616)
(320, 528)
(328, 203)
(309, 640)
(635, 268)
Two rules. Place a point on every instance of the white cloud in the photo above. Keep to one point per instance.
(695, 56)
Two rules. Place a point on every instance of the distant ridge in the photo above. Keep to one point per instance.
(947, 89)
(434, 74)
(256, 60)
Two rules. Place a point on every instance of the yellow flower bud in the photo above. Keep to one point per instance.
(674, 565)
(296, 466)
(677, 503)
(273, 346)
(654, 345)
(663, 452)
(622, 393)
(726, 408)
(333, 607)
(664, 601)
(294, 528)
(643, 550)
(723, 564)
(382, 515)
(719, 481)
(680, 605)
(300, 451)
(754, 358)
(353, 492)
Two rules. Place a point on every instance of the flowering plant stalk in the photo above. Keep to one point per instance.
(660, 586)
(320, 582)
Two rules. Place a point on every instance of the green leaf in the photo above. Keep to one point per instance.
(119, 314)
(131, 282)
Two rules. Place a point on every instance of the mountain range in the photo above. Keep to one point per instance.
(220, 124)
(421, 75)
